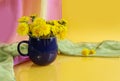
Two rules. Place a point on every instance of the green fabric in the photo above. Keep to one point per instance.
(7, 52)
(108, 48)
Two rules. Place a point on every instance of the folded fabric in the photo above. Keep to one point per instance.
(7, 53)
(20, 59)
(107, 48)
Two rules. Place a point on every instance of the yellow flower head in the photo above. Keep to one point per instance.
(45, 29)
(54, 30)
(62, 32)
(24, 19)
(36, 31)
(92, 51)
(85, 52)
(42, 30)
(55, 23)
(62, 28)
(23, 29)
(39, 21)
(61, 35)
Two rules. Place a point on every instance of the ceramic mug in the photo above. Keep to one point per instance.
(40, 51)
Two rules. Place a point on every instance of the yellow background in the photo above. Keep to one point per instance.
(88, 20)
(92, 20)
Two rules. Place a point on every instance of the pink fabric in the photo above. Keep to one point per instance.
(20, 59)
(10, 10)
(54, 9)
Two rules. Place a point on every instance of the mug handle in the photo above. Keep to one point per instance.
(18, 48)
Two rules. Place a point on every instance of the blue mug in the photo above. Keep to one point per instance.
(41, 51)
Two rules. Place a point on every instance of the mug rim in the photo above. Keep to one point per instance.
(42, 38)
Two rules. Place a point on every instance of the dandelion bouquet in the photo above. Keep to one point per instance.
(37, 27)
(42, 44)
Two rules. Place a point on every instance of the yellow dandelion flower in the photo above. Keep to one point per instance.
(63, 28)
(56, 23)
(31, 26)
(39, 21)
(85, 52)
(24, 19)
(45, 29)
(54, 30)
(23, 29)
(61, 35)
(92, 51)
(36, 31)
(62, 32)
(42, 30)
